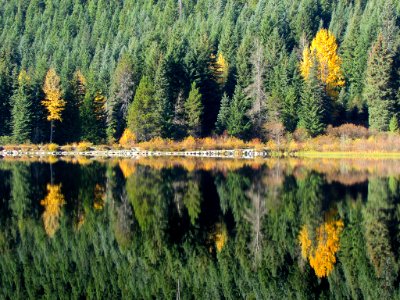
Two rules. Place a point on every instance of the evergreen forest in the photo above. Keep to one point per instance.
(90, 70)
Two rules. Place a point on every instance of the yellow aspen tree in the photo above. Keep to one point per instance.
(323, 50)
(52, 208)
(53, 101)
(220, 68)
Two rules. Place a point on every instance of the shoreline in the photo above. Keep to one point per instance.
(137, 153)
(226, 153)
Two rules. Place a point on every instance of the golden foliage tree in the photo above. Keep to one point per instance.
(53, 101)
(52, 205)
(220, 68)
(322, 255)
(323, 50)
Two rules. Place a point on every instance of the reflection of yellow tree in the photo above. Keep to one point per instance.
(322, 255)
(127, 166)
(220, 236)
(52, 204)
(99, 197)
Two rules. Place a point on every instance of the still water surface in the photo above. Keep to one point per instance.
(192, 228)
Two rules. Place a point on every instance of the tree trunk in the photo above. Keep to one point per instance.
(51, 132)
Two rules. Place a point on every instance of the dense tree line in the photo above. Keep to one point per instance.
(174, 68)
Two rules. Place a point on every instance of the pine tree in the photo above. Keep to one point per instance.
(22, 109)
(311, 114)
(143, 113)
(377, 91)
(89, 126)
(223, 114)
(290, 115)
(6, 83)
(163, 103)
(193, 111)
(394, 124)
(238, 123)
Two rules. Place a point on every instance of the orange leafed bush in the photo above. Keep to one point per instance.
(128, 138)
(51, 147)
(188, 143)
(84, 146)
(349, 131)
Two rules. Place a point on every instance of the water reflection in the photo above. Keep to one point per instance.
(232, 229)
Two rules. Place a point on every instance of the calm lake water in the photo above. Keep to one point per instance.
(193, 228)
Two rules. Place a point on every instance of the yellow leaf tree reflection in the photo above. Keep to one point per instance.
(52, 208)
(322, 253)
(220, 236)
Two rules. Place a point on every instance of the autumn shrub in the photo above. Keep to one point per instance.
(256, 144)
(103, 147)
(10, 147)
(84, 146)
(233, 143)
(154, 144)
(67, 148)
(28, 147)
(300, 135)
(348, 131)
(188, 143)
(50, 147)
(208, 143)
(128, 138)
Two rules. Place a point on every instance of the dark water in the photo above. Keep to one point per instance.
(184, 229)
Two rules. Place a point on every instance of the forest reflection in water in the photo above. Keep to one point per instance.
(200, 228)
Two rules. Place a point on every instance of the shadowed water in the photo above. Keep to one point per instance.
(199, 228)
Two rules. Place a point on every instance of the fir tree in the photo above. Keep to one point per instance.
(193, 111)
(378, 92)
(311, 114)
(238, 123)
(6, 83)
(164, 110)
(223, 114)
(22, 109)
(290, 109)
(143, 113)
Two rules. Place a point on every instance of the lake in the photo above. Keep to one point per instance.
(182, 228)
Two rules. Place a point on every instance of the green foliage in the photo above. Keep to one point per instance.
(223, 233)
(193, 111)
(223, 114)
(312, 110)
(394, 124)
(175, 43)
(22, 110)
(143, 113)
(378, 92)
(238, 123)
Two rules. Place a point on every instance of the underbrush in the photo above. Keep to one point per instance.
(342, 139)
